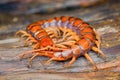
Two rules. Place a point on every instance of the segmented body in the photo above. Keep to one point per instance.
(62, 38)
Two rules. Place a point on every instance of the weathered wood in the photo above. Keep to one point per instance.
(105, 18)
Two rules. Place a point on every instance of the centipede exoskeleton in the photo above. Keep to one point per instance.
(62, 38)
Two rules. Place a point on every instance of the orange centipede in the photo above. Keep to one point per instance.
(62, 38)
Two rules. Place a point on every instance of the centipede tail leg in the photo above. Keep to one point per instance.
(91, 60)
(100, 52)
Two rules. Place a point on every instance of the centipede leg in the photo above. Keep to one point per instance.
(99, 51)
(30, 61)
(25, 35)
(22, 55)
(54, 58)
(54, 48)
(21, 31)
(28, 52)
(48, 62)
(65, 44)
(98, 39)
(36, 46)
(91, 60)
(72, 61)
(28, 39)
(97, 44)
(61, 46)
(42, 53)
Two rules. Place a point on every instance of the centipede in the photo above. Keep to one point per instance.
(61, 38)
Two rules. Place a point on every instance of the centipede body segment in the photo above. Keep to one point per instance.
(61, 38)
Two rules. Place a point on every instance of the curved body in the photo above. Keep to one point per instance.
(61, 38)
